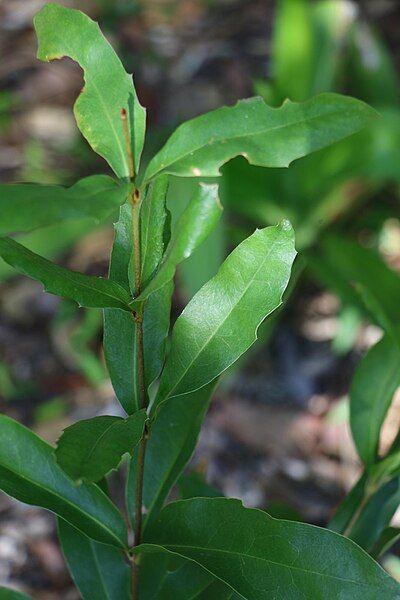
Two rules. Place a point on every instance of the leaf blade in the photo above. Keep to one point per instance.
(196, 223)
(258, 556)
(99, 571)
(27, 206)
(86, 290)
(91, 448)
(224, 315)
(29, 472)
(265, 136)
(108, 88)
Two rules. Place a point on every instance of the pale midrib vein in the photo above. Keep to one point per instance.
(66, 500)
(99, 571)
(97, 442)
(208, 340)
(205, 549)
(234, 137)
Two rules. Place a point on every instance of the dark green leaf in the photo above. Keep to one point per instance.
(387, 539)
(371, 393)
(220, 323)
(26, 206)
(108, 88)
(265, 136)
(193, 485)
(376, 515)
(190, 582)
(170, 445)
(194, 226)
(261, 557)
(91, 448)
(86, 290)
(345, 265)
(30, 473)
(99, 572)
(347, 509)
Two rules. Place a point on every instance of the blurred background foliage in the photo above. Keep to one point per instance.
(277, 434)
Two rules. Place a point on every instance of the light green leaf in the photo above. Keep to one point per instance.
(220, 323)
(91, 448)
(194, 226)
(29, 472)
(265, 136)
(170, 445)
(99, 572)
(108, 88)
(26, 206)
(372, 389)
(86, 290)
(261, 557)
(9, 594)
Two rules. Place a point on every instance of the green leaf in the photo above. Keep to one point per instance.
(388, 537)
(372, 389)
(108, 88)
(261, 557)
(29, 472)
(265, 136)
(190, 582)
(26, 206)
(194, 226)
(346, 509)
(169, 448)
(8, 594)
(376, 79)
(86, 290)
(220, 323)
(343, 263)
(376, 515)
(91, 448)
(99, 572)
(293, 52)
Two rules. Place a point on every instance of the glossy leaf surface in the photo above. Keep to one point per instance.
(108, 88)
(86, 290)
(261, 557)
(372, 389)
(99, 572)
(265, 136)
(171, 443)
(193, 227)
(91, 448)
(29, 472)
(221, 321)
(26, 206)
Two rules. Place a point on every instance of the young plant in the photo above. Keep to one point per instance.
(200, 547)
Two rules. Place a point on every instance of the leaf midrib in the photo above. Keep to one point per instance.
(206, 549)
(234, 137)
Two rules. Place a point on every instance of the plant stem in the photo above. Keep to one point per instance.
(138, 318)
(135, 201)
